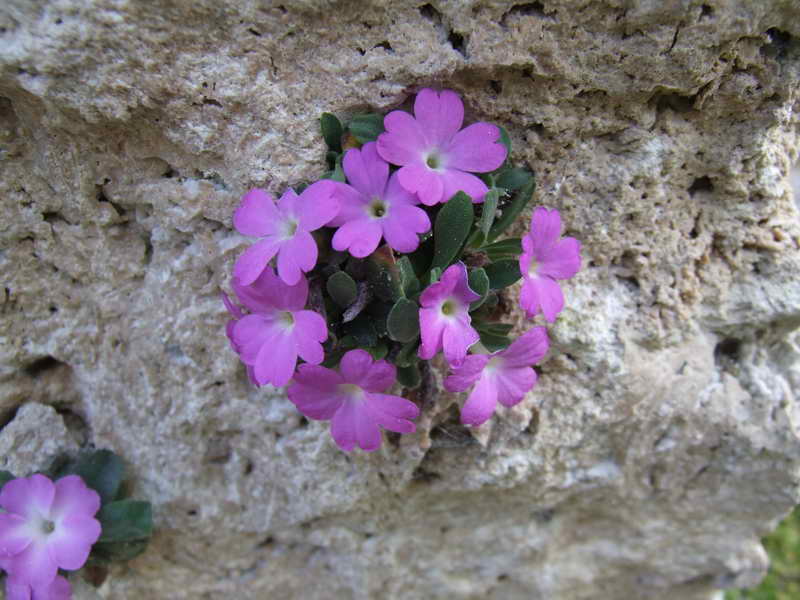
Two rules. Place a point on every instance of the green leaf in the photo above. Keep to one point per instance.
(366, 128)
(436, 272)
(101, 470)
(125, 520)
(493, 343)
(489, 210)
(478, 283)
(363, 331)
(508, 248)
(403, 321)
(379, 351)
(475, 239)
(494, 328)
(5, 477)
(409, 377)
(331, 131)
(384, 274)
(513, 179)
(421, 257)
(408, 278)
(338, 173)
(503, 273)
(451, 229)
(342, 289)
(408, 354)
(104, 553)
(513, 209)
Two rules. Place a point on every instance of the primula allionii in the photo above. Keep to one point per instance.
(47, 526)
(436, 159)
(277, 330)
(58, 589)
(285, 228)
(352, 400)
(375, 205)
(505, 376)
(545, 259)
(444, 320)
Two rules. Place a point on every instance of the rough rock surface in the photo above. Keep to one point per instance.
(662, 440)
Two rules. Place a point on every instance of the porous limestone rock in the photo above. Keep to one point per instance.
(662, 440)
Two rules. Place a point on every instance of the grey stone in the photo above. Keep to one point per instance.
(661, 441)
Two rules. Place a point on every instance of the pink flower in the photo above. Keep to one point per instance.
(375, 205)
(58, 589)
(436, 158)
(351, 400)
(444, 320)
(543, 260)
(505, 376)
(237, 314)
(277, 330)
(46, 527)
(285, 230)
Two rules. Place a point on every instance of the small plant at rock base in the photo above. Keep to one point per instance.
(408, 260)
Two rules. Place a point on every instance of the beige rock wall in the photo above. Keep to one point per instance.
(661, 442)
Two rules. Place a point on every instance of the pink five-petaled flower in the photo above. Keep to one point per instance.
(47, 526)
(277, 330)
(285, 229)
(436, 158)
(444, 320)
(375, 205)
(544, 259)
(505, 376)
(58, 589)
(352, 400)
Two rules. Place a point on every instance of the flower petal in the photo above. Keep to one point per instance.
(404, 141)
(255, 259)
(545, 229)
(60, 589)
(366, 170)
(476, 149)
(467, 374)
(461, 289)
(355, 366)
(34, 565)
(287, 205)
(392, 412)
(28, 496)
(561, 260)
(277, 358)
(440, 114)
(15, 535)
(269, 292)
(419, 179)
(352, 425)
(352, 204)
(527, 350)
(379, 377)
(314, 392)
(297, 255)
(73, 497)
(513, 384)
(70, 543)
(310, 330)
(360, 237)
(16, 590)
(541, 294)
(234, 310)
(458, 336)
(250, 333)
(455, 181)
(256, 215)
(481, 402)
(402, 227)
(317, 205)
(431, 327)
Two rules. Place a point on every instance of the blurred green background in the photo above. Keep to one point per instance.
(783, 580)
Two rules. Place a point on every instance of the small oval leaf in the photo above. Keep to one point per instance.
(342, 288)
(403, 321)
(508, 248)
(503, 273)
(409, 376)
(478, 283)
(512, 209)
(101, 470)
(489, 208)
(331, 131)
(366, 128)
(451, 229)
(125, 520)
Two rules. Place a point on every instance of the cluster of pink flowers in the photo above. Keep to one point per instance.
(389, 189)
(46, 527)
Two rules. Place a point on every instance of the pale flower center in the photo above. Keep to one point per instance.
(287, 319)
(352, 390)
(533, 268)
(494, 364)
(290, 227)
(449, 308)
(434, 160)
(48, 527)
(377, 208)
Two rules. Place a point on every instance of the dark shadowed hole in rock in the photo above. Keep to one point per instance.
(728, 349)
(701, 184)
(75, 424)
(706, 11)
(497, 86)
(302, 422)
(39, 366)
(8, 416)
(780, 44)
(458, 42)
(385, 45)
(673, 101)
